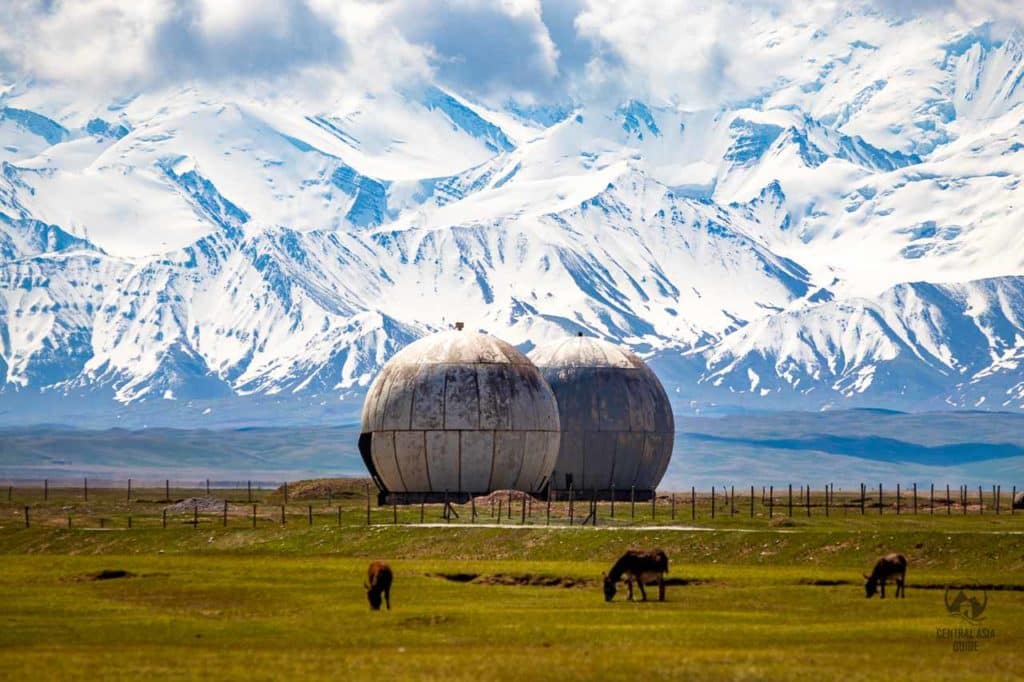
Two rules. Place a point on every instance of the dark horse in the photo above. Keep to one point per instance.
(379, 584)
(639, 566)
(889, 566)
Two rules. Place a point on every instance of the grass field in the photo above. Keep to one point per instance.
(750, 600)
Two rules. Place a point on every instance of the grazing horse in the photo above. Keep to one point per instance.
(639, 566)
(380, 577)
(888, 566)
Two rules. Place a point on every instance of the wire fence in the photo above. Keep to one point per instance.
(107, 504)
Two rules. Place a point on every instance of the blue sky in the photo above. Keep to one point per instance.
(528, 50)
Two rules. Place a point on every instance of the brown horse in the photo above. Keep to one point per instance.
(380, 577)
(888, 566)
(640, 566)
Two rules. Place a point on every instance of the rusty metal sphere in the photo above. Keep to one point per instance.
(459, 412)
(617, 423)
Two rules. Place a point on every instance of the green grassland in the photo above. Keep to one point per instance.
(752, 598)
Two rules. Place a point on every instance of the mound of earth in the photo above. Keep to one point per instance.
(203, 504)
(502, 496)
(323, 488)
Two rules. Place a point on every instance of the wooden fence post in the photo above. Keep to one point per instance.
(499, 512)
(931, 500)
(254, 515)
(509, 505)
(897, 499)
(522, 513)
(472, 508)
(69, 521)
(207, 487)
(879, 499)
(165, 518)
(26, 517)
(771, 501)
(673, 506)
(713, 502)
(790, 504)
(948, 502)
(1013, 498)
(423, 509)
(915, 498)
(613, 501)
(225, 524)
(693, 502)
(85, 488)
(995, 495)
(981, 502)
(827, 500)
(807, 498)
(632, 501)
(751, 501)
(284, 519)
(46, 489)
(863, 494)
(654, 501)
(548, 517)
(195, 517)
(129, 490)
(367, 504)
(248, 486)
(732, 500)
(571, 496)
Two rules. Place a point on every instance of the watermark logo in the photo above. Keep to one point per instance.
(966, 603)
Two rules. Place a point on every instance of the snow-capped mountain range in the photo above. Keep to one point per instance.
(854, 236)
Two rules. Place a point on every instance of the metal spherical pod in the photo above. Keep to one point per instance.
(457, 413)
(617, 424)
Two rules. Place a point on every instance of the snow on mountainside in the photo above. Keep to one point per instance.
(852, 237)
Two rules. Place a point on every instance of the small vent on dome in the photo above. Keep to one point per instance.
(459, 326)
(579, 333)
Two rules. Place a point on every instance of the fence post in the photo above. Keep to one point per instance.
(654, 502)
(863, 494)
(85, 488)
(129, 490)
(879, 499)
(26, 517)
(632, 501)
(394, 513)
(948, 502)
(499, 511)
(254, 515)
(673, 506)
(447, 515)
(423, 509)
(1013, 498)
(548, 518)
(613, 501)
(225, 513)
(771, 501)
(165, 518)
(284, 519)
(995, 494)
(693, 503)
(981, 502)
(10, 492)
(571, 505)
(367, 504)
(46, 489)
(712, 502)
(472, 508)
(195, 517)
(509, 505)
(897, 499)
(931, 500)
(167, 489)
(915, 498)
(522, 512)
(807, 498)
(207, 487)
(69, 520)
(732, 500)
(248, 486)
(751, 501)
